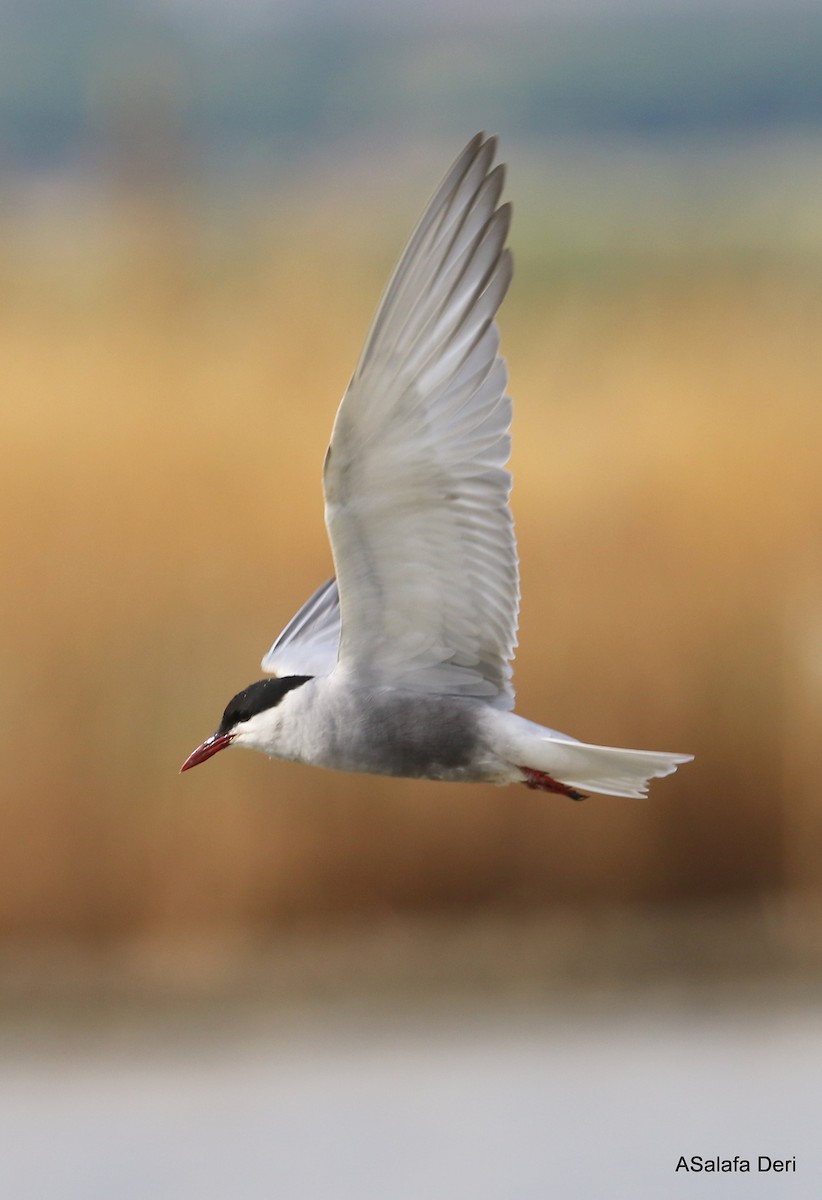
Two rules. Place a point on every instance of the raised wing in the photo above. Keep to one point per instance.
(415, 483)
(309, 643)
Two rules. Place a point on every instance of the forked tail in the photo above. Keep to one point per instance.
(579, 767)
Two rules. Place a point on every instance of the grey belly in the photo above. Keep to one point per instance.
(407, 734)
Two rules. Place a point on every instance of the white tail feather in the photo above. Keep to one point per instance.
(606, 769)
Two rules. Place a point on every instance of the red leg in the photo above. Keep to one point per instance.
(540, 782)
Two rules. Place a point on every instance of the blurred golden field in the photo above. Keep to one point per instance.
(164, 416)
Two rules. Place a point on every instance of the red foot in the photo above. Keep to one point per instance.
(540, 782)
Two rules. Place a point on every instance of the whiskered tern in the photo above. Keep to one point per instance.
(401, 664)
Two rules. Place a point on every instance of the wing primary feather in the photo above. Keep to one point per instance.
(435, 212)
(425, 250)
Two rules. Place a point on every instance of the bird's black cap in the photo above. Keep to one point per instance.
(257, 697)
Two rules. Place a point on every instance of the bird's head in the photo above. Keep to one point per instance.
(248, 719)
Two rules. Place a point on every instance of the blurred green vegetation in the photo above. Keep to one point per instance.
(310, 75)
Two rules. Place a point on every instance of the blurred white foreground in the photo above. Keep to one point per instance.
(452, 1103)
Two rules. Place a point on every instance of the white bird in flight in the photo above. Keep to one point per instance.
(401, 664)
